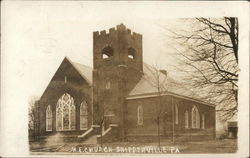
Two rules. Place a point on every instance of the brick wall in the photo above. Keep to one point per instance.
(122, 72)
(149, 126)
(76, 86)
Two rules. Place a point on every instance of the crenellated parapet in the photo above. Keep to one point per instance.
(114, 30)
(116, 46)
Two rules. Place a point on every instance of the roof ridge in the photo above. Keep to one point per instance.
(76, 66)
(82, 64)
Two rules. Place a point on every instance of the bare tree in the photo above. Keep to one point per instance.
(31, 112)
(158, 79)
(31, 116)
(209, 56)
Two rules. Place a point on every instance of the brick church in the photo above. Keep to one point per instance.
(118, 98)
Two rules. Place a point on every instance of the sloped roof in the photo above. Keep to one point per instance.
(148, 85)
(84, 71)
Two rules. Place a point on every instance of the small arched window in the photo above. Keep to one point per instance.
(107, 85)
(83, 116)
(176, 114)
(203, 121)
(107, 52)
(48, 118)
(140, 115)
(195, 118)
(186, 119)
(131, 53)
(65, 79)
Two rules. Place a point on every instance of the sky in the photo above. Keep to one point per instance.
(36, 36)
(43, 36)
(43, 33)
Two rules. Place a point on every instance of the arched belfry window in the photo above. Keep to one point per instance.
(65, 113)
(83, 115)
(48, 118)
(107, 52)
(186, 119)
(195, 118)
(140, 115)
(131, 53)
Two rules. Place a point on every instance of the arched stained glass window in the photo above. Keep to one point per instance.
(48, 118)
(186, 119)
(83, 116)
(73, 117)
(59, 119)
(65, 118)
(195, 118)
(65, 113)
(140, 115)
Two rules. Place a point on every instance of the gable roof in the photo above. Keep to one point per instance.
(83, 70)
(147, 86)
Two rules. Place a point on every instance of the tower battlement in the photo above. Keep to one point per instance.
(119, 28)
(117, 46)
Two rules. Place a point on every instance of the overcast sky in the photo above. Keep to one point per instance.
(41, 34)
(36, 36)
(44, 34)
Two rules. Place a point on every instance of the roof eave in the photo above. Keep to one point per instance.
(155, 94)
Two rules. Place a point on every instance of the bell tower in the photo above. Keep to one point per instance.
(118, 66)
(118, 47)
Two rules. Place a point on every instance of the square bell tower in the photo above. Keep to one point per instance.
(118, 66)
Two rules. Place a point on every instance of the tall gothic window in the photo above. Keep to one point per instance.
(48, 118)
(83, 116)
(203, 121)
(65, 113)
(195, 118)
(186, 119)
(176, 114)
(140, 115)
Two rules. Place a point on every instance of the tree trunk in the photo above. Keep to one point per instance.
(159, 137)
(173, 120)
(101, 135)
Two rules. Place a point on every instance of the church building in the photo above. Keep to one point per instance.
(120, 97)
